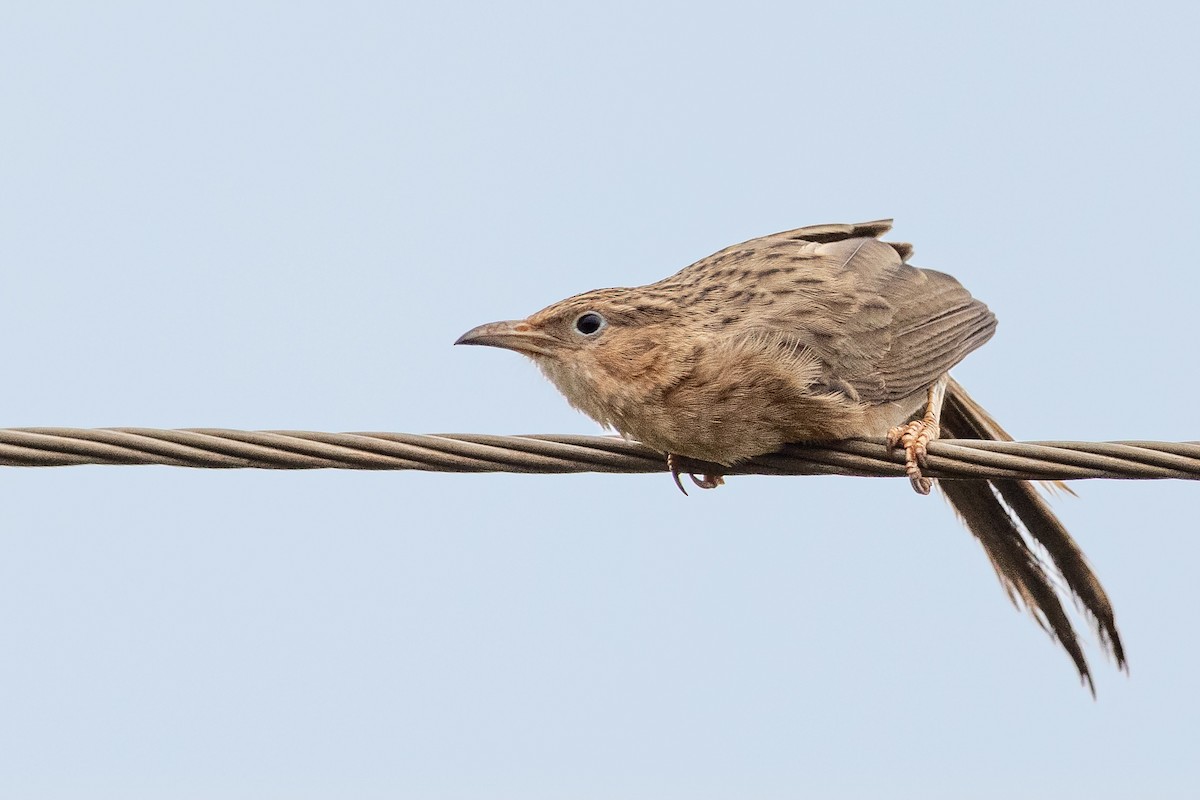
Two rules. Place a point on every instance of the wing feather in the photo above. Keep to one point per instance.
(932, 325)
(880, 328)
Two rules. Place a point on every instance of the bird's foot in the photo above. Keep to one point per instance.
(679, 465)
(914, 437)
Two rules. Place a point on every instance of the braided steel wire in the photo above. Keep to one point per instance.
(232, 449)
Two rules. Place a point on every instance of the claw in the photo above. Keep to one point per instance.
(707, 481)
(676, 472)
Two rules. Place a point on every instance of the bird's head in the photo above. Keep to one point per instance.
(596, 347)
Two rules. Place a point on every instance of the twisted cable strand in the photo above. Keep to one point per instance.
(216, 448)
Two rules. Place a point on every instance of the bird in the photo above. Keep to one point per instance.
(824, 332)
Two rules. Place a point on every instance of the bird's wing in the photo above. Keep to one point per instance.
(882, 329)
(934, 325)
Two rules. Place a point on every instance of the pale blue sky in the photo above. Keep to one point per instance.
(280, 215)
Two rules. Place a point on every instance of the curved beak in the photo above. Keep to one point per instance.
(515, 334)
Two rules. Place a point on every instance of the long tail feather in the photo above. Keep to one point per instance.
(1026, 575)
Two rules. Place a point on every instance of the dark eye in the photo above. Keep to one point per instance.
(589, 323)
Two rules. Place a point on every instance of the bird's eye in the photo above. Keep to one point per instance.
(589, 323)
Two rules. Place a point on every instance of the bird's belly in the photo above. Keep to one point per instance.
(729, 432)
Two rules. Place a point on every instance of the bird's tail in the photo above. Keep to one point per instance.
(1031, 562)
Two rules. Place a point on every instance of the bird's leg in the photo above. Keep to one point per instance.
(679, 465)
(914, 436)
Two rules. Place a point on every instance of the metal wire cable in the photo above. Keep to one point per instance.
(231, 449)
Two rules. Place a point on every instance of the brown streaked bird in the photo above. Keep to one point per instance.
(818, 333)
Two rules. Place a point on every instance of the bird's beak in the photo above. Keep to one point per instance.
(516, 335)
